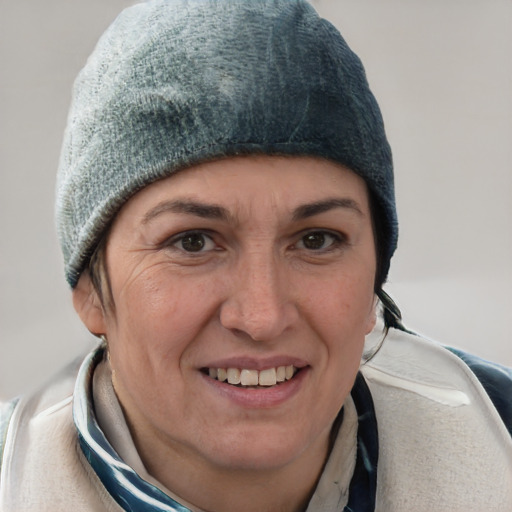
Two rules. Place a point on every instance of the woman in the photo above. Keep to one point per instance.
(226, 212)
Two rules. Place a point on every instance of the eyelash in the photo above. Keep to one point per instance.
(205, 239)
(181, 237)
(337, 240)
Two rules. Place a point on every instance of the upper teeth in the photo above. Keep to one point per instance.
(245, 377)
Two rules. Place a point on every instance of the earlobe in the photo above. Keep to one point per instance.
(87, 304)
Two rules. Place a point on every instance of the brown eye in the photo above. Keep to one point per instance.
(194, 242)
(319, 240)
(313, 241)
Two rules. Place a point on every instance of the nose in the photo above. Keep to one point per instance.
(259, 303)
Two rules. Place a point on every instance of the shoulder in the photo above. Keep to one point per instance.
(42, 460)
(496, 380)
(442, 418)
(442, 374)
(18, 416)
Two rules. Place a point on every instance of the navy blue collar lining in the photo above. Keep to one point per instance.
(363, 487)
(133, 493)
(130, 491)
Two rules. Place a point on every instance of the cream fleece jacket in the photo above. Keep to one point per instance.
(442, 444)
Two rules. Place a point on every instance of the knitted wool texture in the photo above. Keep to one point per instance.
(176, 82)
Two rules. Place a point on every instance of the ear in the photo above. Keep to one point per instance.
(372, 316)
(87, 304)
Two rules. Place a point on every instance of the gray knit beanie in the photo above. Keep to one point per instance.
(176, 82)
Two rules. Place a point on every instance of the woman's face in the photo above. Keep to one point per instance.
(240, 266)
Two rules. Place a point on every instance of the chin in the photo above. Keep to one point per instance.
(259, 449)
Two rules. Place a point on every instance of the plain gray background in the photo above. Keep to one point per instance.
(442, 73)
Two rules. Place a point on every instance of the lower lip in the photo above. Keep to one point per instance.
(259, 398)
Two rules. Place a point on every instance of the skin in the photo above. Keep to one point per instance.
(276, 280)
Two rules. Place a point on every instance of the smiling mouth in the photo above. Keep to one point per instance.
(245, 378)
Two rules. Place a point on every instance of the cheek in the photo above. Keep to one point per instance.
(338, 310)
(156, 320)
(341, 310)
(342, 302)
(153, 334)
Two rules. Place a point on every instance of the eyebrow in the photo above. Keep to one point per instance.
(206, 211)
(312, 209)
(213, 211)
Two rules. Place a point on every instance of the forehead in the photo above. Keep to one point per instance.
(256, 183)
